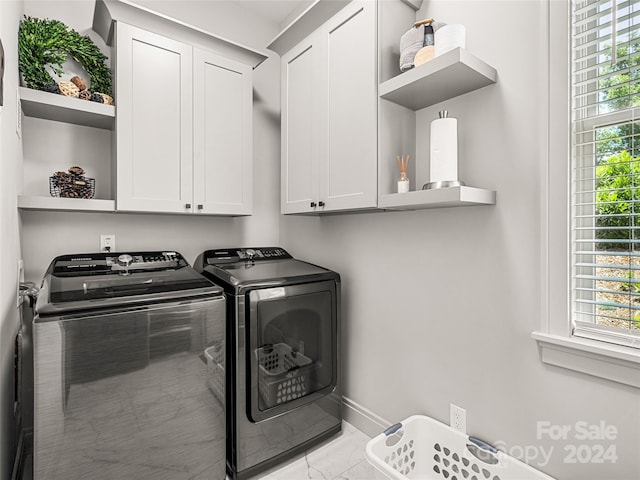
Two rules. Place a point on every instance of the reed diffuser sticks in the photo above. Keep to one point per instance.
(402, 165)
(403, 183)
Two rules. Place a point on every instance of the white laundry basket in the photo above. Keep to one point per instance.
(421, 448)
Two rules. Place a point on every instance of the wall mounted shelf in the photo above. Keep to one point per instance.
(437, 198)
(59, 108)
(27, 202)
(453, 73)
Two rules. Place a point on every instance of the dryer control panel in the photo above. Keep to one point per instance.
(230, 255)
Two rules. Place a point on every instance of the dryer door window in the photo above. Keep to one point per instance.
(293, 358)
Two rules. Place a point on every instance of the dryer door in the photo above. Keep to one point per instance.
(292, 354)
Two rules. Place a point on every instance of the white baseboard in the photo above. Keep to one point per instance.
(362, 418)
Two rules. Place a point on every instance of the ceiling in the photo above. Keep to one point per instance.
(278, 11)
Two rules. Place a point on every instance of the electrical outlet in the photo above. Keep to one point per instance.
(458, 418)
(108, 242)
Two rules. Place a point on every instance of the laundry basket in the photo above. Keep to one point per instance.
(284, 374)
(421, 448)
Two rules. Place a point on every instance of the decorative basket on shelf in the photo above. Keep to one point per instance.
(72, 184)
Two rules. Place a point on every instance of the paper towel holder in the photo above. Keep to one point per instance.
(442, 183)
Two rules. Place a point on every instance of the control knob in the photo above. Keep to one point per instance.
(250, 253)
(125, 260)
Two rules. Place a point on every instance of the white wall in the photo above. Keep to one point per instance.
(58, 146)
(10, 153)
(439, 304)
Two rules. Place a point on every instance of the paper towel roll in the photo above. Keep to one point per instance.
(449, 37)
(443, 162)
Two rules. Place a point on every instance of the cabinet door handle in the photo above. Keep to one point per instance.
(187, 205)
(321, 204)
(200, 206)
(313, 204)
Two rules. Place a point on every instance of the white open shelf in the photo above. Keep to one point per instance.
(437, 198)
(27, 202)
(453, 73)
(51, 106)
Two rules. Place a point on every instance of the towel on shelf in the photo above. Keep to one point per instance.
(410, 43)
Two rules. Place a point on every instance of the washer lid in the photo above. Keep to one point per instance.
(88, 281)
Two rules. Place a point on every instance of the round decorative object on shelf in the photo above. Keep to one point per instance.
(51, 88)
(79, 82)
(106, 99)
(69, 89)
(96, 97)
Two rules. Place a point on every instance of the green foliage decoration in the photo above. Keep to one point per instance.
(45, 42)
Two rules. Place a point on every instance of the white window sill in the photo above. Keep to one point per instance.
(612, 362)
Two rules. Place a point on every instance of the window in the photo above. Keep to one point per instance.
(592, 116)
(605, 171)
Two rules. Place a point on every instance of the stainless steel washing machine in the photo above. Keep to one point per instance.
(122, 385)
(283, 390)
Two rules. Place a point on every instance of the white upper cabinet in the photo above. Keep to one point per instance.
(222, 135)
(154, 124)
(329, 92)
(300, 135)
(348, 175)
(183, 129)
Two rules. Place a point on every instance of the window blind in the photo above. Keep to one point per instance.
(605, 173)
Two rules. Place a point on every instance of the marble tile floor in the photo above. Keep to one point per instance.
(341, 458)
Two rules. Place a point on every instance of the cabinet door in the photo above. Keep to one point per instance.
(348, 163)
(222, 135)
(154, 122)
(299, 140)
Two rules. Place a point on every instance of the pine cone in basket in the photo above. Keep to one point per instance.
(51, 88)
(85, 95)
(69, 89)
(79, 82)
(96, 97)
(72, 184)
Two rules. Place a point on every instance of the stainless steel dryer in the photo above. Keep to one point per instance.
(121, 382)
(283, 393)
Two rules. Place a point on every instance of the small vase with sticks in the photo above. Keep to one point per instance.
(403, 183)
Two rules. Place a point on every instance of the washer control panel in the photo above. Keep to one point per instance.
(229, 255)
(96, 263)
(144, 260)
